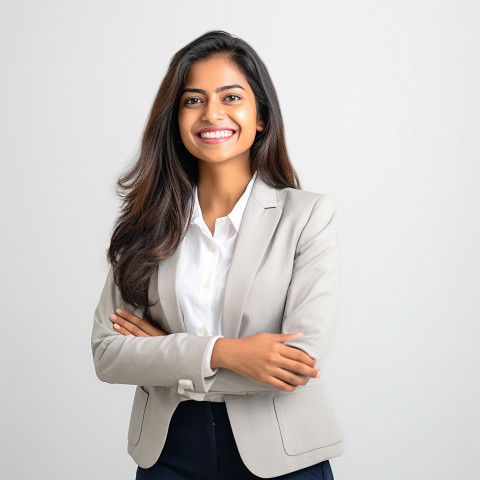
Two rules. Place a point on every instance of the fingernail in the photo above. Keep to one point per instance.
(317, 375)
(118, 311)
(113, 316)
(115, 325)
(300, 334)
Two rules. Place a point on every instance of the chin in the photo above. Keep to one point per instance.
(214, 159)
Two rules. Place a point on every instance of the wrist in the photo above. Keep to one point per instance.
(219, 358)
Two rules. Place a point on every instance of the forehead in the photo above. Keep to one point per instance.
(214, 72)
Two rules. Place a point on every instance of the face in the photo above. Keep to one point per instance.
(217, 112)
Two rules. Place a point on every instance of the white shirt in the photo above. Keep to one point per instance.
(203, 266)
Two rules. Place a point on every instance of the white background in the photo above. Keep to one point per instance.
(381, 106)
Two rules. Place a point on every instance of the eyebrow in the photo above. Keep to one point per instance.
(217, 90)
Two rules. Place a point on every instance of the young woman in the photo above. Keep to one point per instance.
(222, 296)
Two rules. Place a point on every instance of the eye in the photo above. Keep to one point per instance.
(233, 95)
(192, 100)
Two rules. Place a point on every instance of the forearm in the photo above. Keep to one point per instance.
(230, 383)
(227, 381)
(259, 363)
(149, 361)
(152, 361)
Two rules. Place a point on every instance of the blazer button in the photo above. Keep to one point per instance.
(184, 384)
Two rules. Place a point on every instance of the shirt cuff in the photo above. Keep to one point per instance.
(207, 371)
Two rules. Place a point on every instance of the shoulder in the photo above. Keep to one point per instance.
(297, 204)
(302, 201)
(310, 218)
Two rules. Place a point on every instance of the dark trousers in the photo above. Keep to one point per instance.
(200, 446)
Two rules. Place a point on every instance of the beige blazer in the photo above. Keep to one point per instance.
(284, 277)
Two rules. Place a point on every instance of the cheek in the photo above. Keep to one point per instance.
(184, 122)
(247, 119)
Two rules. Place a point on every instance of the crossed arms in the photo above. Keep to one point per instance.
(138, 353)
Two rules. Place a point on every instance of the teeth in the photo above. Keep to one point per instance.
(217, 134)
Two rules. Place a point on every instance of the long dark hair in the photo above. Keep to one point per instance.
(157, 191)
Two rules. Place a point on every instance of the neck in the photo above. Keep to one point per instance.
(220, 186)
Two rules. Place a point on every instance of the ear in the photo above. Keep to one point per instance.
(260, 124)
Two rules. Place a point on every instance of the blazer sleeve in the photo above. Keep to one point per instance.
(312, 301)
(175, 360)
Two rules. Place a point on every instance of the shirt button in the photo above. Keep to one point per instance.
(205, 285)
(202, 330)
(212, 248)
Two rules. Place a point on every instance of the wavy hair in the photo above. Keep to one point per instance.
(157, 190)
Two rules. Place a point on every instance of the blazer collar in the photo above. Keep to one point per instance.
(259, 222)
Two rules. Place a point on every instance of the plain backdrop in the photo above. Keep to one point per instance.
(381, 106)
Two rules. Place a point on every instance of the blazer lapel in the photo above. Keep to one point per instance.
(259, 222)
(162, 291)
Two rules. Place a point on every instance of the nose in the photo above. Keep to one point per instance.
(213, 112)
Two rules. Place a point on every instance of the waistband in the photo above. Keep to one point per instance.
(201, 412)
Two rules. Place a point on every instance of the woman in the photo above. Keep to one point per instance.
(222, 296)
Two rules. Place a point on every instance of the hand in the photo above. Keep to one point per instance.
(263, 357)
(126, 323)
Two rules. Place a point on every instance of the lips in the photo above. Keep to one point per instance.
(215, 139)
(218, 134)
(214, 129)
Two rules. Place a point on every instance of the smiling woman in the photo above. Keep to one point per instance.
(229, 111)
(222, 296)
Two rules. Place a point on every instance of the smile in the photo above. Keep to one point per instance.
(217, 136)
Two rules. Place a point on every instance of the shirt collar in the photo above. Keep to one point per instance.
(235, 215)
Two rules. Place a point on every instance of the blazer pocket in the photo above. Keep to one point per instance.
(140, 402)
(307, 420)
